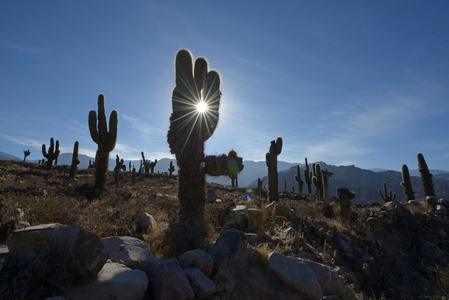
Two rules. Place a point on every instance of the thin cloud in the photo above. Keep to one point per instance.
(25, 49)
(23, 141)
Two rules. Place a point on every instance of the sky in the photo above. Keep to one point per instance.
(344, 82)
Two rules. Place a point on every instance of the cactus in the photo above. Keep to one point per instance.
(426, 177)
(133, 180)
(119, 165)
(52, 153)
(148, 164)
(389, 196)
(298, 179)
(308, 178)
(230, 165)
(259, 187)
(104, 139)
(272, 164)
(317, 180)
(327, 209)
(345, 196)
(171, 169)
(129, 167)
(26, 153)
(407, 184)
(189, 129)
(75, 160)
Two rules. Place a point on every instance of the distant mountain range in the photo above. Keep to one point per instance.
(364, 182)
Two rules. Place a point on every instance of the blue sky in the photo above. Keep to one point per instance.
(345, 82)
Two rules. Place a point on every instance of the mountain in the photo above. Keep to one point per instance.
(364, 183)
(6, 156)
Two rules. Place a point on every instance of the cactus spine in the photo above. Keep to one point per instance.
(272, 164)
(104, 139)
(317, 180)
(407, 184)
(25, 154)
(188, 131)
(298, 179)
(426, 177)
(75, 160)
(308, 178)
(389, 196)
(52, 153)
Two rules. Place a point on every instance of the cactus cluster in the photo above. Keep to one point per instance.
(148, 165)
(407, 184)
(308, 178)
(52, 154)
(104, 139)
(119, 165)
(188, 131)
(389, 196)
(317, 180)
(75, 160)
(426, 177)
(272, 164)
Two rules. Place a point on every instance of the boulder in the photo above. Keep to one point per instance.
(431, 200)
(145, 222)
(211, 195)
(378, 224)
(231, 259)
(130, 251)
(255, 220)
(201, 284)
(169, 282)
(114, 281)
(295, 274)
(281, 210)
(71, 250)
(197, 258)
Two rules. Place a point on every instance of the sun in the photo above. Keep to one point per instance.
(201, 107)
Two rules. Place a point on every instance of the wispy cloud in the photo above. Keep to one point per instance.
(145, 130)
(23, 141)
(35, 50)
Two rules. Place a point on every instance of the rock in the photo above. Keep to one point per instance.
(251, 237)
(145, 222)
(364, 213)
(378, 224)
(440, 208)
(73, 251)
(197, 258)
(255, 220)
(281, 210)
(17, 215)
(295, 274)
(413, 203)
(291, 232)
(169, 282)
(444, 202)
(201, 284)
(431, 200)
(431, 252)
(130, 251)
(345, 246)
(231, 259)
(211, 195)
(114, 281)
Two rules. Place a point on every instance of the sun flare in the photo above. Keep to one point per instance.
(201, 107)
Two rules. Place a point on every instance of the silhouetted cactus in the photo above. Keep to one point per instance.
(345, 196)
(407, 184)
(230, 165)
(25, 154)
(104, 139)
(148, 164)
(317, 180)
(389, 196)
(426, 177)
(327, 209)
(171, 169)
(189, 129)
(308, 178)
(75, 160)
(259, 187)
(119, 165)
(298, 179)
(129, 167)
(52, 153)
(133, 178)
(272, 164)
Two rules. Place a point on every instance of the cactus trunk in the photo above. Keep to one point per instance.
(426, 177)
(407, 184)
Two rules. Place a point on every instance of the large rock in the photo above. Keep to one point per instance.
(169, 282)
(114, 281)
(296, 274)
(145, 222)
(201, 284)
(255, 220)
(71, 250)
(231, 259)
(130, 251)
(275, 209)
(197, 258)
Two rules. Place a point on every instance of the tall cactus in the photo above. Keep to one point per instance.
(52, 153)
(389, 196)
(189, 129)
(407, 184)
(104, 139)
(75, 160)
(25, 154)
(299, 180)
(272, 164)
(327, 209)
(308, 178)
(259, 187)
(426, 177)
(317, 180)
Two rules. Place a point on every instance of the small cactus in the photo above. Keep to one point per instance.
(345, 196)
(26, 153)
(407, 184)
(426, 176)
(308, 178)
(317, 180)
(133, 178)
(389, 196)
(75, 160)
(259, 187)
(171, 169)
(52, 154)
(119, 165)
(298, 179)
(104, 139)
(148, 164)
(272, 164)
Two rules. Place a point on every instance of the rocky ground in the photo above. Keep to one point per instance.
(390, 250)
